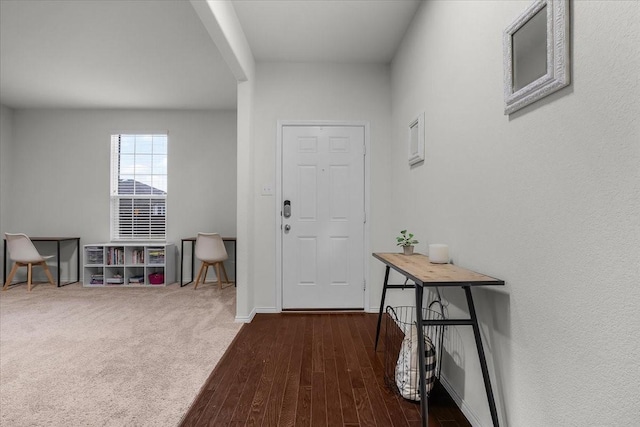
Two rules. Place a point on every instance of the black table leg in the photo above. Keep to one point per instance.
(483, 360)
(58, 255)
(193, 245)
(182, 264)
(78, 260)
(60, 284)
(193, 261)
(4, 268)
(384, 293)
(424, 406)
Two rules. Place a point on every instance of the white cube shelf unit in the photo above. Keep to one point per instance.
(129, 264)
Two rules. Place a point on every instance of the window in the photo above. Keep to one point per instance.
(138, 187)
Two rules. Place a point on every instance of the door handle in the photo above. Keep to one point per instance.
(287, 227)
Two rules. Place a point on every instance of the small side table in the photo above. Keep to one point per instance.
(58, 240)
(193, 246)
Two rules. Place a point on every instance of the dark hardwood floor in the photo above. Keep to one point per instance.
(309, 370)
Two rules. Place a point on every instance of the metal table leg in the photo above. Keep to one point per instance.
(235, 263)
(58, 260)
(182, 263)
(193, 261)
(193, 245)
(60, 284)
(4, 269)
(424, 405)
(384, 293)
(481, 356)
(78, 260)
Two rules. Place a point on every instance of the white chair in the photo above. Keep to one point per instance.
(211, 251)
(24, 254)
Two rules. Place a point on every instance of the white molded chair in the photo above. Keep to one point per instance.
(211, 251)
(24, 254)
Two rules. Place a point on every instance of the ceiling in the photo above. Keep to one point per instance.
(109, 54)
(362, 31)
(156, 54)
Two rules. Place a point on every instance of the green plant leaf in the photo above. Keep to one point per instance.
(406, 239)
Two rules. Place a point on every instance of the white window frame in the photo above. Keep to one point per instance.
(157, 231)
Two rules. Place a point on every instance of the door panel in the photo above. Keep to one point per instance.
(323, 251)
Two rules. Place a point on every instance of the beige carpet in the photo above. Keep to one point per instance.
(75, 356)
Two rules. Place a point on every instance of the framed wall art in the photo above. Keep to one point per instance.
(536, 53)
(416, 140)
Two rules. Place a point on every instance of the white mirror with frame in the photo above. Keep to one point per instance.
(536, 53)
(416, 140)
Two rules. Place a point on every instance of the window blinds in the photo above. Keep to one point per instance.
(138, 187)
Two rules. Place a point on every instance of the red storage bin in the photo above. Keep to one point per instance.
(156, 278)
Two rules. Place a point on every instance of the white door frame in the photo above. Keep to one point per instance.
(278, 207)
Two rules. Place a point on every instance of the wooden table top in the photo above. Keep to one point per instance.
(193, 239)
(50, 239)
(418, 268)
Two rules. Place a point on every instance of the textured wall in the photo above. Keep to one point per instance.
(339, 92)
(61, 160)
(547, 199)
(6, 136)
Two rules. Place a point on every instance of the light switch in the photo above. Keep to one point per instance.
(267, 190)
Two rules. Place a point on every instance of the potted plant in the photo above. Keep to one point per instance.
(407, 241)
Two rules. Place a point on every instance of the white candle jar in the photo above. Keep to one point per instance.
(439, 253)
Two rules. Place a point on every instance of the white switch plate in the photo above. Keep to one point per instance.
(267, 190)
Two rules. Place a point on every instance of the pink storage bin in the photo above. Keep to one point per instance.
(156, 278)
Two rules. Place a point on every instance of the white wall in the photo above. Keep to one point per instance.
(245, 296)
(61, 158)
(221, 22)
(547, 199)
(6, 138)
(292, 91)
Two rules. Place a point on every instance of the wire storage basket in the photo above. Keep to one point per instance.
(401, 349)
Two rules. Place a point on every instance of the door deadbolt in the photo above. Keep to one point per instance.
(286, 209)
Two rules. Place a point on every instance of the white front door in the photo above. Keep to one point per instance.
(323, 238)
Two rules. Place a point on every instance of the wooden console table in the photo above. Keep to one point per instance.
(423, 273)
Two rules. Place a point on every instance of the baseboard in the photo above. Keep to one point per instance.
(256, 310)
(466, 410)
(43, 281)
(246, 319)
(268, 310)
